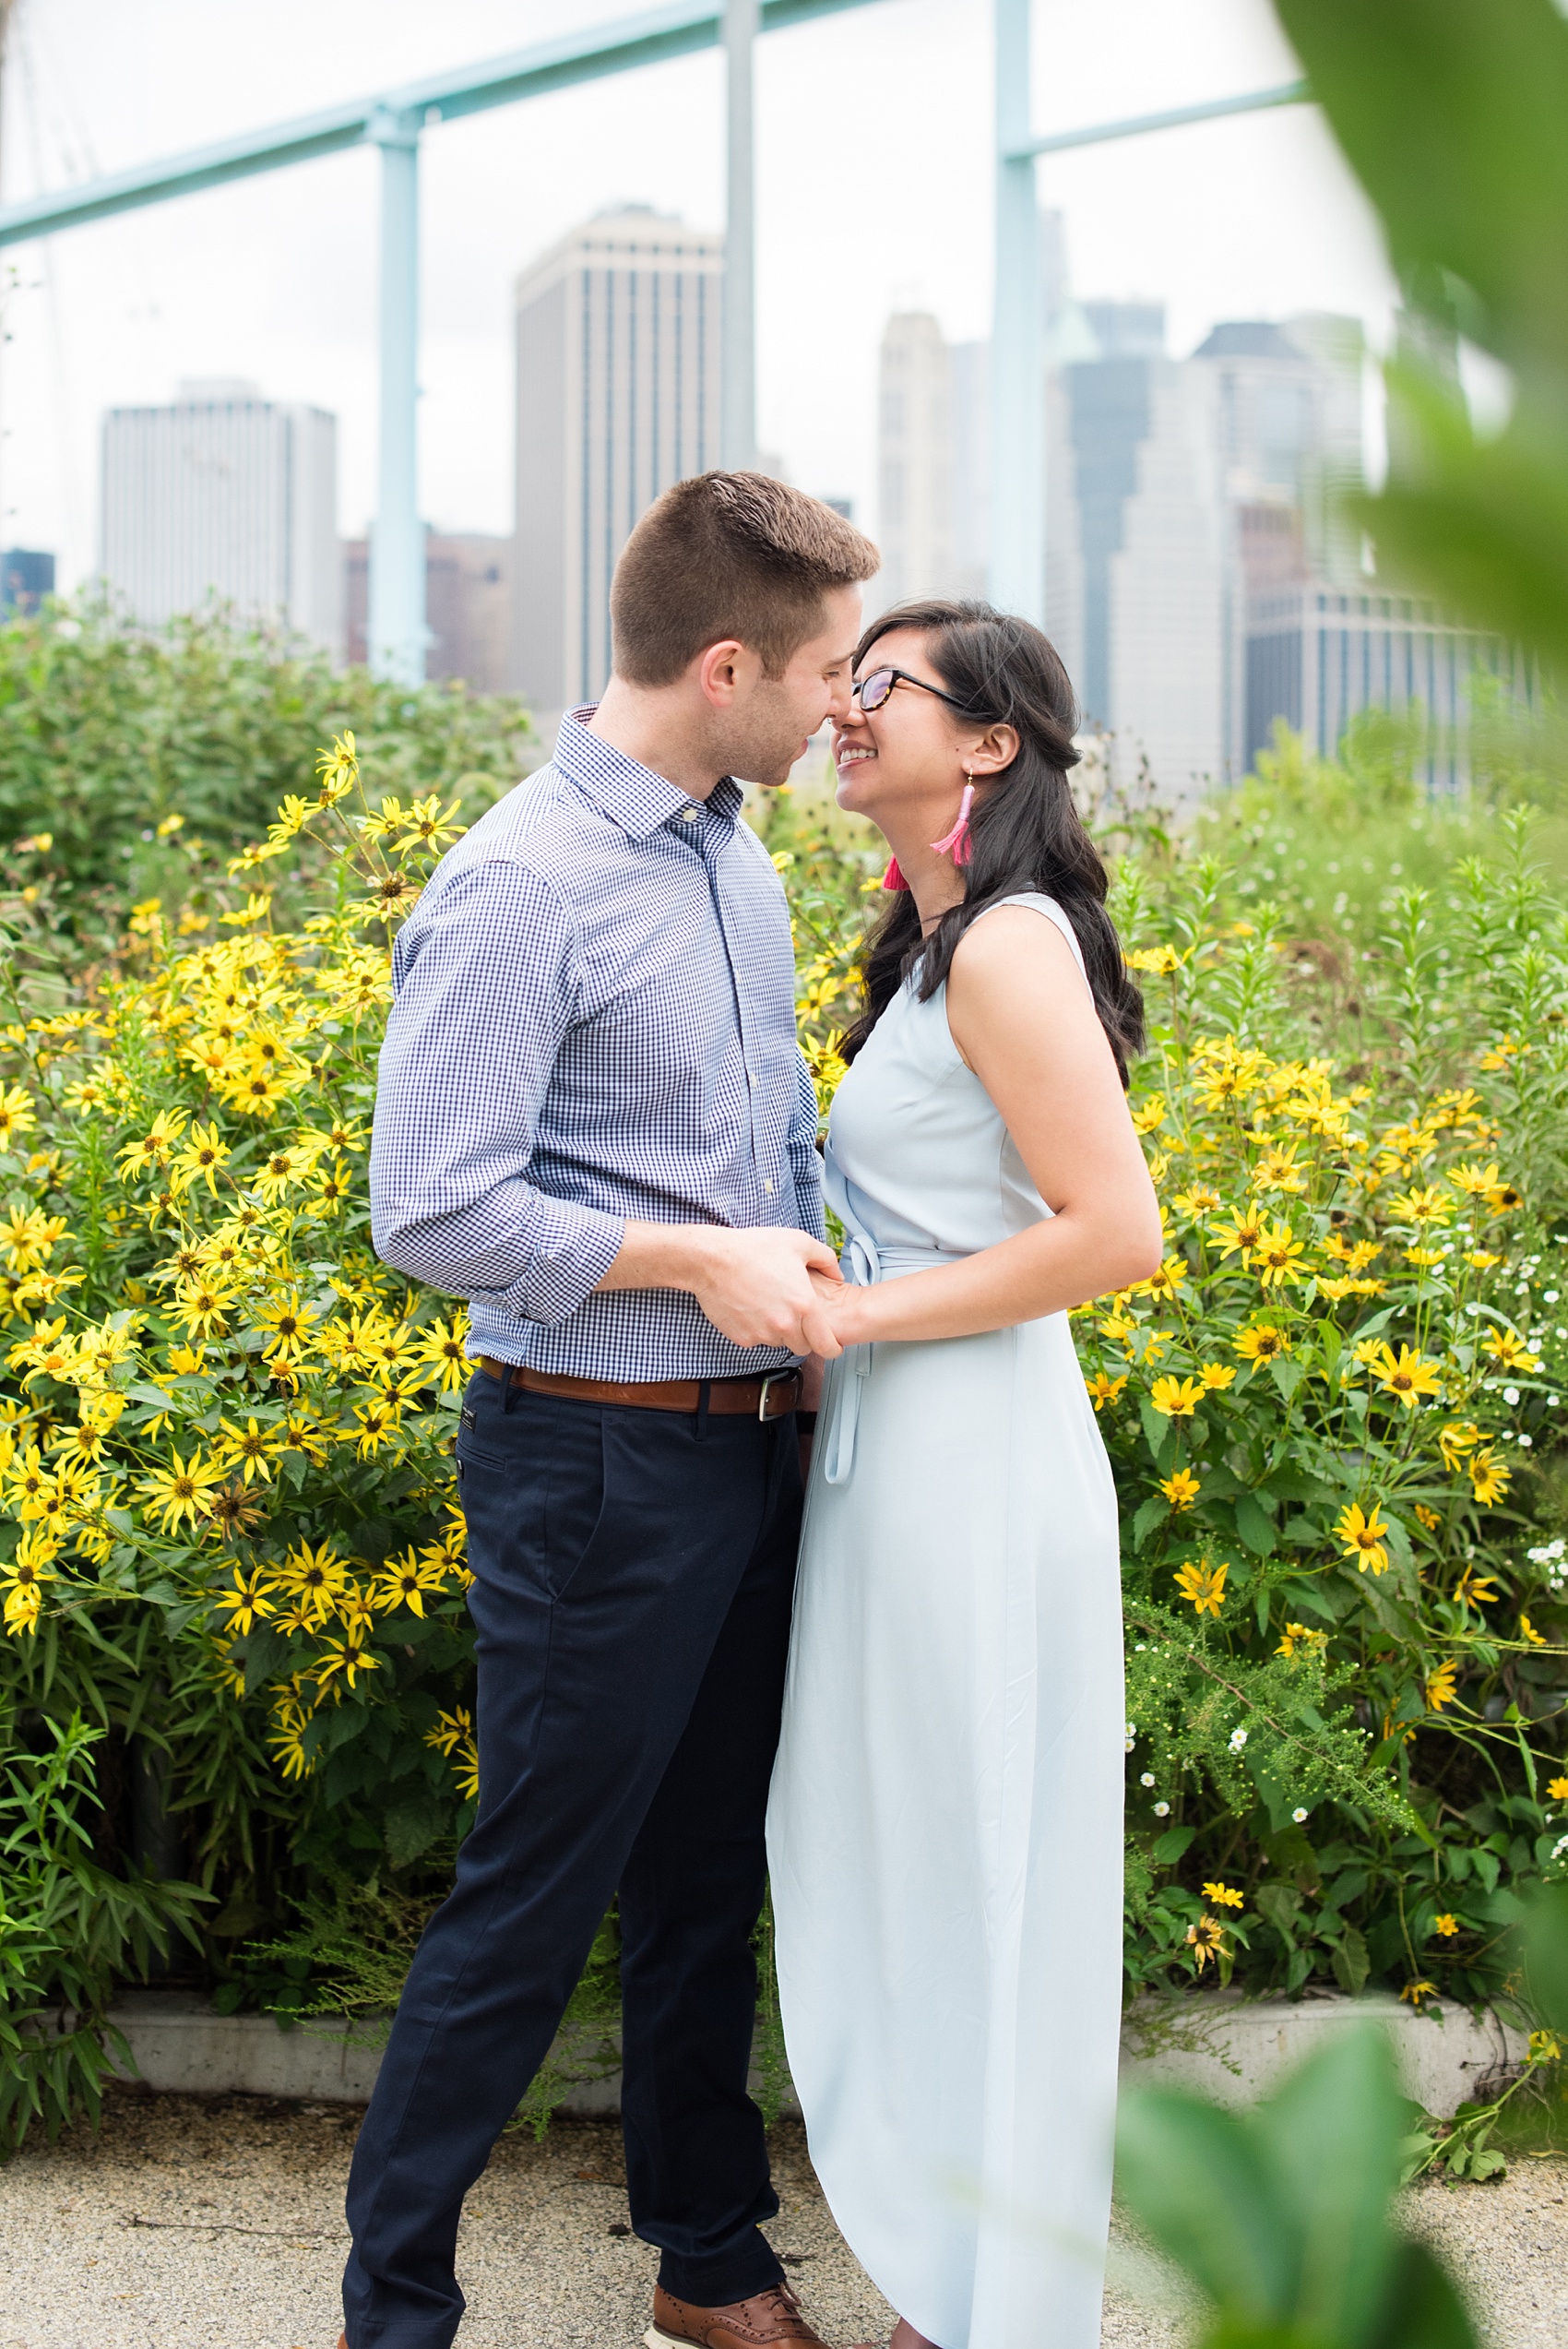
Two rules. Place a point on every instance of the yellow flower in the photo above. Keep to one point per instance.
(1481, 1259)
(339, 770)
(1274, 1256)
(1245, 1231)
(1296, 1635)
(1504, 1199)
(155, 1147)
(16, 1115)
(1103, 1389)
(1509, 1350)
(1261, 1342)
(1415, 1991)
(251, 1449)
(1164, 1283)
(287, 1739)
(430, 826)
(1424, 1258)
(1489, 1479)
(403, 1581)
(333, 1185)
(1196, 1203)
(204, 1154)
(256, 1090)
(1213, 1375)
(1558, 1789)
(201, 1308)
(1159, 959)
(178, 1494)
(1426, 1205)
(1461, 1436)
(1440, 1687)
(1203, 1585)
(1405, 1377)
(1527, 1631)
(247, 1600)
(289, 1323)
(1181, 1489)
(1175, 1398)
(1474, 1590)
(1224, 1896)
(442, 1347)
(344, 1659)
(1206, 1939)
(376, 1425)
(454, 1736)
(1476, 1181)
(1362, 1537)
(1428, 1516)
(1546, 2047)
(1118, 1328)
(1276, 1170)
(315, 1579)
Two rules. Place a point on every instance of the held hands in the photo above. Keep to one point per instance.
(844, 1308)
(768, 1287)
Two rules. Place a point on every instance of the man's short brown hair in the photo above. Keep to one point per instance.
(728, 554)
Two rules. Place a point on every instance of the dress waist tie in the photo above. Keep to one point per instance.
(864, 1264)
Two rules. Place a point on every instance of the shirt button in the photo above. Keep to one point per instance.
(767, 1183)
(690, 815)
(751, 1081)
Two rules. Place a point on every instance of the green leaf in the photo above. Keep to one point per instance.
(266, 1653)
(1254, 1526)
(1421, 2306)
(1330, 2134)
(1190, 2176)
(1169, 1846)
(412, 1826)
(1152, 1512)
(1287, 1375)
(1352, 1965)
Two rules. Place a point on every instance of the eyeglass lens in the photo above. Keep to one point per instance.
(873, 690)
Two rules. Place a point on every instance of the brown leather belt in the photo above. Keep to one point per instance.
(773, 1397)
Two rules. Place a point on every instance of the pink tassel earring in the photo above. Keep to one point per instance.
(893, 878)
(955, 843)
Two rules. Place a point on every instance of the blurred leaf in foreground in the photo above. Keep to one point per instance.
(1281, 2215)
(1452, 117)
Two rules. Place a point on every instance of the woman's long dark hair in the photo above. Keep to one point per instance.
(1025, 833)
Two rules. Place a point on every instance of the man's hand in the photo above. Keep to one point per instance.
(755, 1286)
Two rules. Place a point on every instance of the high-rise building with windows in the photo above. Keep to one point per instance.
(618, 396)
(224, 494)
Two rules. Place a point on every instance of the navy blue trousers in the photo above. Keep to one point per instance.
(633, 1572)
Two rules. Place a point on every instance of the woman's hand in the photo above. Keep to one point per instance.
(844, 1307)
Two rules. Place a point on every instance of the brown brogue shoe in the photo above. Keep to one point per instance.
(766, 2319)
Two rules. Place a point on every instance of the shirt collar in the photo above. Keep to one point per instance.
(627, 791)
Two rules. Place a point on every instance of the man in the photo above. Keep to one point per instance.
(595, 1124)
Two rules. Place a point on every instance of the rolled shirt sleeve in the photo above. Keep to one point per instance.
(471, 1044)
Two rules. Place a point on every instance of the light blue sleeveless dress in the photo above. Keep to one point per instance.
(944, 1833)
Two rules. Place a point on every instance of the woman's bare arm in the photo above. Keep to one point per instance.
(1022, 1018)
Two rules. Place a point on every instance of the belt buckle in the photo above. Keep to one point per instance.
(771, 1378)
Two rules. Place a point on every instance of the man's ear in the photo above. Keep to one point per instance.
(721, 671)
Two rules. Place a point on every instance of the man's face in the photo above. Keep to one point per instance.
(772, 718)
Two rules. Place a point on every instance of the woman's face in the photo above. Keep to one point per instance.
(909, 756)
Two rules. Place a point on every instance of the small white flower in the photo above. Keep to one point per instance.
(1550, 1296)
(1556, 1850)
(1526, 1441)
(1148, 1778)
(1298, 1817)
(1162, 1810)
(1238, 1739)
(1128, 1744)
(1511, 1394)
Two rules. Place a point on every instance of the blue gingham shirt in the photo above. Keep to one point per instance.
(593, 1019)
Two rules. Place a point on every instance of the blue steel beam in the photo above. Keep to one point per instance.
(675, 30)
(1211, 109)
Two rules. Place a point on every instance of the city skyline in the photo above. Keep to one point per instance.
(279, 282)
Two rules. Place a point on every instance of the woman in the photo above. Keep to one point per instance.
(945, 1831)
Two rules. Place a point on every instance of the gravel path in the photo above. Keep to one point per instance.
(217, 2223)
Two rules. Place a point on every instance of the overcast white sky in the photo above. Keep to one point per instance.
(873, 193)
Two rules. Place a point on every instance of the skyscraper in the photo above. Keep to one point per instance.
(224, 494)
(618, 375)
(933, 440)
